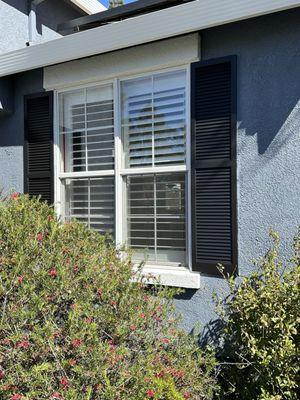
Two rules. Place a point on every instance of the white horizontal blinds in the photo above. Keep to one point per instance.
(137, 122)
(156, 217)
(154, 120)
(87, 131)
(169, 119)
(91, 201)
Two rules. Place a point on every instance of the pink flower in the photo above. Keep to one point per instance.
(16, 396)
(150, 393)
(52, 273)
(159, 374)
(76, 342)
(23, 345)
(165, 340)
(142, 315)
(2, 374)
(186, 396)
(39, 237)
(15, 195)
(64, 382)
(132, 327)
(56, 395)
(20, 279)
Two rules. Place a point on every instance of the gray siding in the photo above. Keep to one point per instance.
(14, 22)
(268, 141)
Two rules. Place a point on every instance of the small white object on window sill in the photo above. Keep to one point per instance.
(172, 276)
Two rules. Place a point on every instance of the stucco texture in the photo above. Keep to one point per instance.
(12, 131)
(268, 142)
(14, 31)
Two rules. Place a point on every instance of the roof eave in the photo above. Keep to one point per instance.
(174, 21)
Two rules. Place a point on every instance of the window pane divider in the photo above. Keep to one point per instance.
(86, 174)
(153, 170)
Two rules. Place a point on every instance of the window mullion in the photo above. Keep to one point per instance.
(152, 111)
(119, 193)
(89, 202)
(155, 218)
(85, 128)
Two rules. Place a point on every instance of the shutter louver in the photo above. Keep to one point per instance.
(214, 165)
(38, 146)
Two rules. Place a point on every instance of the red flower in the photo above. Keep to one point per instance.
(16, 396)
(53, 273)
(186, 396)
(64, 382)
(159, 374)
(2, 374)
(39, 237)
(56, 395)
(15, 195)
(76, 342)
(165, 340)
(23, 345)
(20, 279)
(150, 393)
(142, 315)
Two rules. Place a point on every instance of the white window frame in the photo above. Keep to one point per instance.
(180, 276)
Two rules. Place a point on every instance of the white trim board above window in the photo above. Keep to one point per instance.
(153, 56)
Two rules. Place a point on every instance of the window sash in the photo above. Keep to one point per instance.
(120, 172)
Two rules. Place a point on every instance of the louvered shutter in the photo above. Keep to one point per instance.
(38, 146)
(214, 222)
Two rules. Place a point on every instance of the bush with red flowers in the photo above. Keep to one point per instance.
(78, 324)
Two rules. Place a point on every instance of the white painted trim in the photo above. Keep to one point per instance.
(173, 21)
(171, 276)
(89, 6)
(124, 64)
(86, 174)
(153, 170)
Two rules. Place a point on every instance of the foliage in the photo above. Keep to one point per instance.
(261, 331)
(78, 323)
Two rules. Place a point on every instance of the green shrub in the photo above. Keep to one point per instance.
(75, 323)
(261, 331)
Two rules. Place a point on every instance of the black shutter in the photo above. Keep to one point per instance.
(214, 203)
(38, 146)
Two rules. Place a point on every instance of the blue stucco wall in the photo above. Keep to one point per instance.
(12, 131)
(14, 22)
(268, 141)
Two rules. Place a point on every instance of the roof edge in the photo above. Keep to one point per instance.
(179, 20)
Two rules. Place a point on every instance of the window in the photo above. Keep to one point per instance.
(87, 146)
(124, 166)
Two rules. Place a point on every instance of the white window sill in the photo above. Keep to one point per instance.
(172, 276)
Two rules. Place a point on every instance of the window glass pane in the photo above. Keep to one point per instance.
(87, 129)
(153, 120)
(137, 122)
(169, 118)
(156, 217)
(91, 200)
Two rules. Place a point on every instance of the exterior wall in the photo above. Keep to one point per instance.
(14, 27)
(12, 132)
(268, 141)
